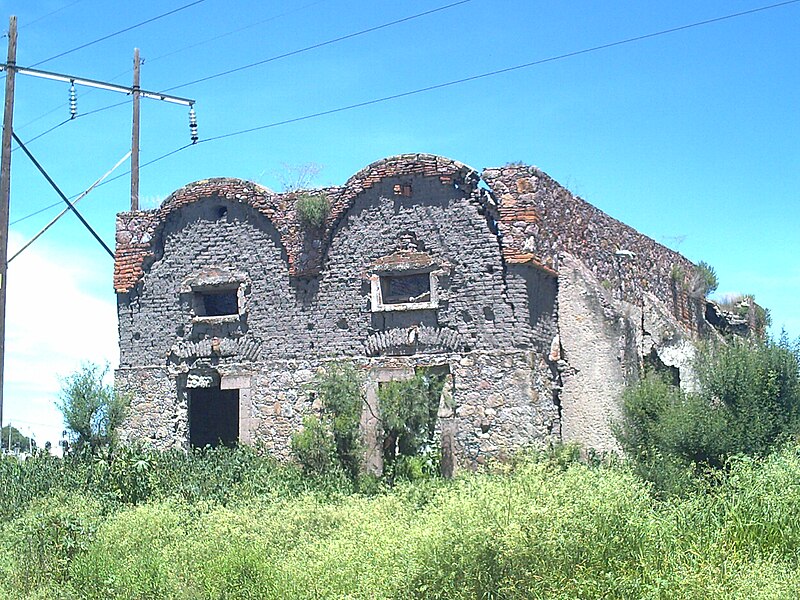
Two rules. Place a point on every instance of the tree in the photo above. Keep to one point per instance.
(332, 440)
(92, 410)
(12, 439)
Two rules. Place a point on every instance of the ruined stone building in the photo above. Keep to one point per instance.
(537, 306)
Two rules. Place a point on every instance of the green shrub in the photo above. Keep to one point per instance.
(408, 409)
(314, 446)
(703, 280)
(333, 440)
(547, 527)
(748, 403)
(312, 209)
(49, 535)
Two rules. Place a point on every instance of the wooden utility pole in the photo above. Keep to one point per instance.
(11, 69)
(135, 136)
(5, 191)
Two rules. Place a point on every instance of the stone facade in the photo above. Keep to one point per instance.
(537, 306)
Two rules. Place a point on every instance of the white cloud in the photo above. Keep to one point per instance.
(60, 313)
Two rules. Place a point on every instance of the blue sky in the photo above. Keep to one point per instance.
(690, 137)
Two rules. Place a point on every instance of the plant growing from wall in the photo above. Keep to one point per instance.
(408, 415)
(332, 441)
(312, 209)
(703, 280)
(676, 273)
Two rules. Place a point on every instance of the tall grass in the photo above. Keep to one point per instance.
(543, 530)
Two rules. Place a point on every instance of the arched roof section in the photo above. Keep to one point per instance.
(137, 232)
(449, 172)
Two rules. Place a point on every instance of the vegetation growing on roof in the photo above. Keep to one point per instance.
(312, 209)
(703, 280)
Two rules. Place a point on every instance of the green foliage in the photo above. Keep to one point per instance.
(743, 304)
(92, 411)
(704, 280)
(546, 528)
(50, 533)
(748, 403)
(314, 446)
(756, 387)
(333, 441)
(12, 439)
(677, 273)
(408, 410)
(312, 209)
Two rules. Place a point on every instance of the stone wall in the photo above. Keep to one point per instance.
(502, 400)
(538, 219)
(306, 295)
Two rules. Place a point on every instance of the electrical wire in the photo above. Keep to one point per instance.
(526, 65)
(44, 133)
(107, 181)
(272, 59)
(443, 85)
(229, 33)
(318, 45)
(168, 54)
(121, 31)
(50, 14)
(65, 121)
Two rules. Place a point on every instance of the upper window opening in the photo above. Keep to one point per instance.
(401, 289)
(217, 303)
(405, 280)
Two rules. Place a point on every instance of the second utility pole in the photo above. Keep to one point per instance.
(135, 134)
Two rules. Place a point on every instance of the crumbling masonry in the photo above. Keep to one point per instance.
(536, 305)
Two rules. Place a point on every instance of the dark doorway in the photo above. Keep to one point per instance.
(213, 417)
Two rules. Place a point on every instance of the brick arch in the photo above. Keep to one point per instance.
(449, 172)
(137, 231)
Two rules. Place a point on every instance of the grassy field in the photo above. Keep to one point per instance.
(234, 524)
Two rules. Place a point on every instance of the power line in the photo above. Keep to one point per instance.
(109, 180)
(44, 133)
(50, 14)
(162, 56)
(501, 71)
(121, 31)
(272, 59)
(443, 85)
(319, 45)
(240, 29)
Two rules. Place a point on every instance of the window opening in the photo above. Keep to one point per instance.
(217, 303)
(401, 289)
